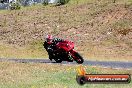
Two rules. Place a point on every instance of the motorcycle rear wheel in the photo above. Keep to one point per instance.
(58, 60)
(79, 59)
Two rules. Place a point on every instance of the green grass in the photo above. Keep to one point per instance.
(34, 50)
(14, 75)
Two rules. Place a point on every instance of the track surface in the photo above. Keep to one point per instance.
(110, 64)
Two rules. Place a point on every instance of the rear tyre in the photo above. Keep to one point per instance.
(79, 59)
(58, 60)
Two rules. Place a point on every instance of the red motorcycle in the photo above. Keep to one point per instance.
(64, 51)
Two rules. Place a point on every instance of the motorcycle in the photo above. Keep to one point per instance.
(64, 51)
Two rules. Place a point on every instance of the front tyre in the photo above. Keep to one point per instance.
(79, 59)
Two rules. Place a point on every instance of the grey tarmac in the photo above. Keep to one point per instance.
(106, 64)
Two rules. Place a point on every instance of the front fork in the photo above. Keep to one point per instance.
(72, 54)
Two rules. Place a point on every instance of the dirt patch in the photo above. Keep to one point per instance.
(87, 26)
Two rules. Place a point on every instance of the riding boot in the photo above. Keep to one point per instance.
(50, 56)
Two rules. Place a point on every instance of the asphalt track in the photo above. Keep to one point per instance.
(109, 64)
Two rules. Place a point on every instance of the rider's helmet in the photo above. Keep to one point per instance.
(49, 38)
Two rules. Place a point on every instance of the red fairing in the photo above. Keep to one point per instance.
(66, 48)
(73, 54)
(66, 45)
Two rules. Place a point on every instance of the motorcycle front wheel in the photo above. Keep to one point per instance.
(79, 59)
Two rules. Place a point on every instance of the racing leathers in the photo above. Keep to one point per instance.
(51, 46)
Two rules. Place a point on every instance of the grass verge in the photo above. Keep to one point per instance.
(34, 50)
(39, 75)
